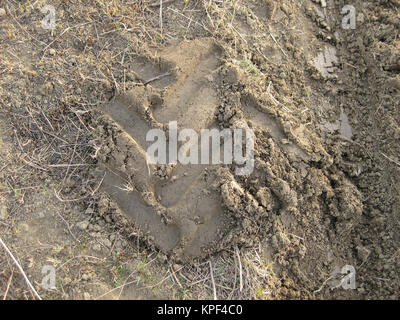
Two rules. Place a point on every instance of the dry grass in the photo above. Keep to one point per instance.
(51, 84)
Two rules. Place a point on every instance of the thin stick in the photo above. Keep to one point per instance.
(72, 158)
(175, 277)
(67, 224)
(323, 284)
(31, 164)
(161, 24)
(240, 270)
(391, 160)
(99, 185)
(112, 290)
(3, 167)
(122, 288)
(76, 257)
(65, 30)
(71, 200)
(66, 165)
(115, 83)
(68, 200)
(273, 38)
(181, 14)
(153, 5)
(29, 35)
(20, 269)
(8, 285)
(208, 15)
(212, 280)
(128, 283)
(157, 77)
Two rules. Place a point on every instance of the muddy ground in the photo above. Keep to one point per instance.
(322, 99)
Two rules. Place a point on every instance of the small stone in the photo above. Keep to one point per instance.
(83, 225)
(2, 12)
(52, 52)
(86, 277)
(363, 253)
(210, 78)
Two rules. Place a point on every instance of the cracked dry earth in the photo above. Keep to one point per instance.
(193, 210)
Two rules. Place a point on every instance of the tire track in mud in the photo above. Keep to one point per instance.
(369, 56)
(193, 210)
(179, 210)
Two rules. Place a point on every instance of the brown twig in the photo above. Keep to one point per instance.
(68, 227)
(157, 4)
(212, 280)
(20, 269)
(8, 285)
(391, 160)
(175, 277)
(157, 78)
(240, 269)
